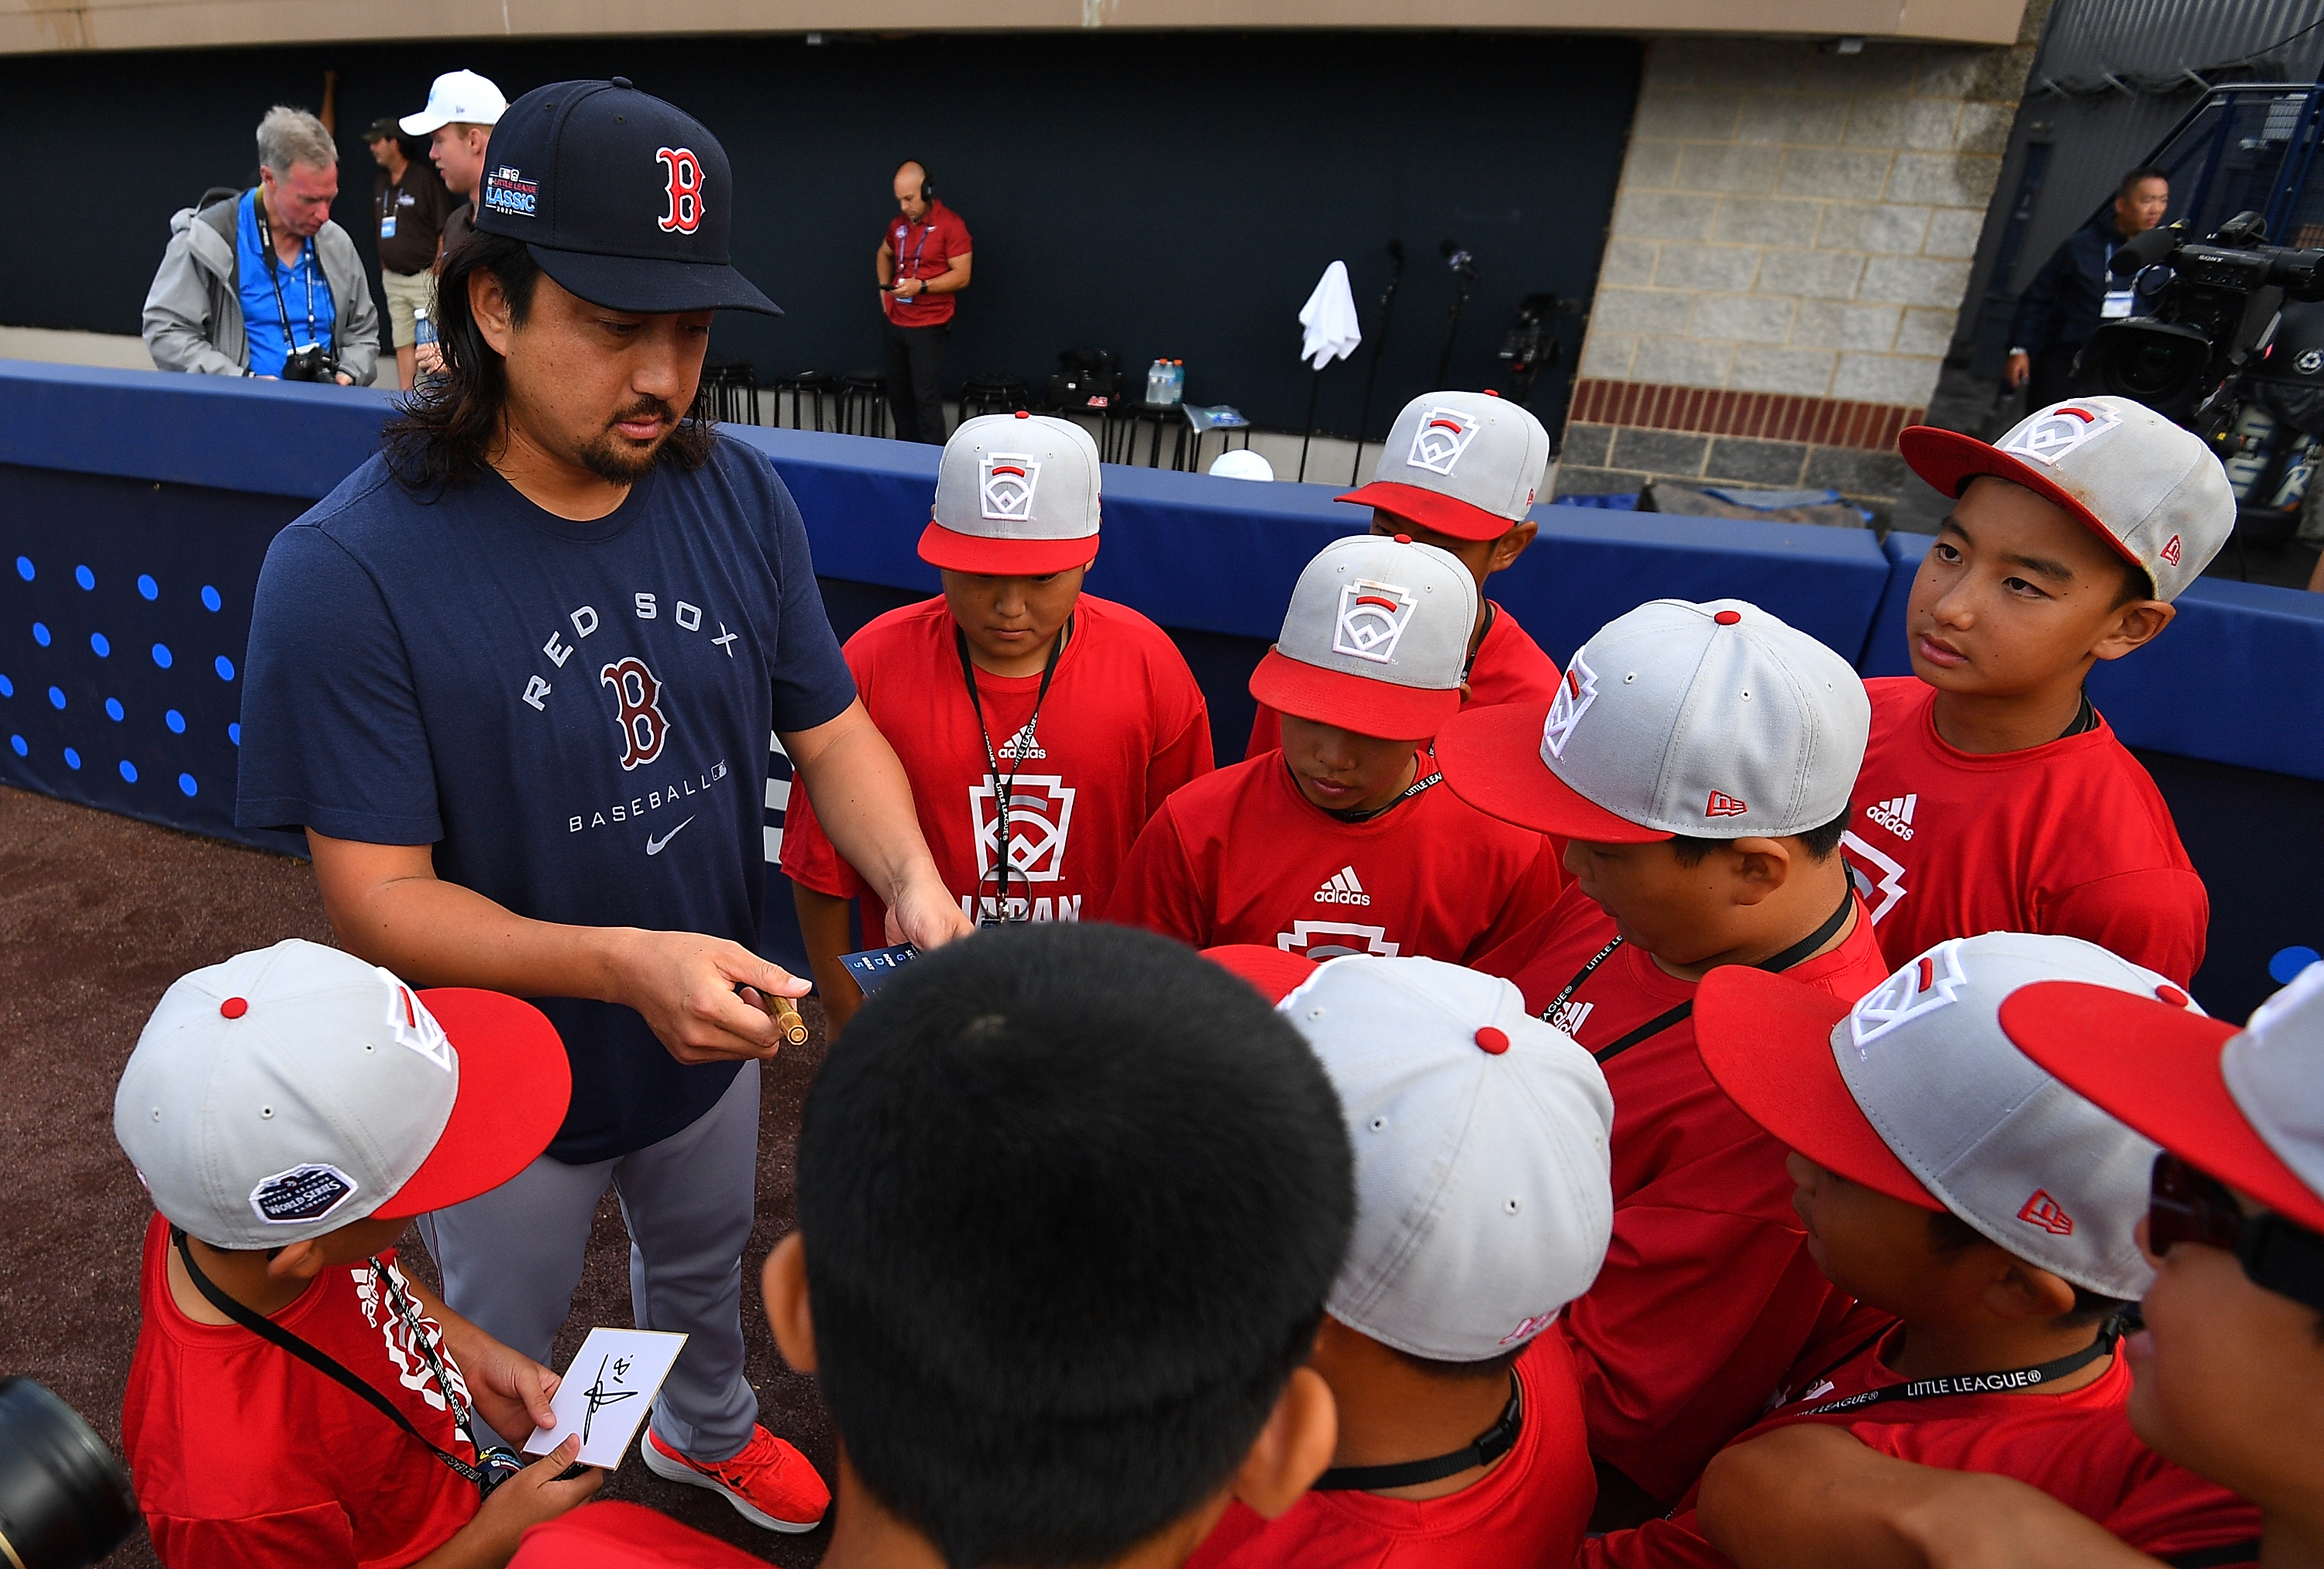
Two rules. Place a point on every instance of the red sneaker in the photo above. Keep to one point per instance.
(770, 1484)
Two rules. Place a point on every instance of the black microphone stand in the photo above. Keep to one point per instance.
(1464, 268)
(1379, 344)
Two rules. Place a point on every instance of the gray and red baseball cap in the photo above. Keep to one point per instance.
(1375, 640)
(1016, 496)
(1716, 720)
(1915, 1091)
(291, 1090)
(2245, 1105)
(2152, 490)
(625, 200)
(1467, 465)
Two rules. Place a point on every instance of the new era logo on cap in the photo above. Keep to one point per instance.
(2047, 1213)
(1006, 482)
(1445, 434)
(1723, 804)
(1372, 619)
(2056, 432)
(2172, 551)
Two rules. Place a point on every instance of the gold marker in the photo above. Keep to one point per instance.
(787, 1015)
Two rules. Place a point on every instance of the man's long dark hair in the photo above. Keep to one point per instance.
(453, 422)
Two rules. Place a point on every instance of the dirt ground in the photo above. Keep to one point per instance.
(98, 914)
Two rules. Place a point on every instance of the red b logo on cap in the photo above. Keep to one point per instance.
(684, 192)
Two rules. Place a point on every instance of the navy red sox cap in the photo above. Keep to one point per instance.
(624, 200)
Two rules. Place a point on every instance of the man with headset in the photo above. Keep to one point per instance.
(922, 262)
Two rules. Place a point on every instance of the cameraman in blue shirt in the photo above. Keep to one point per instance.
(2076, 291)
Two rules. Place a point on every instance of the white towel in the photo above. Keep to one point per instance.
(1329, 318)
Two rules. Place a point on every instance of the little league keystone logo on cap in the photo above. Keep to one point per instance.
(1575, 693)
(1372, 619)
(1934, 980)
(2054, 433)
(1445, 434)
(1006, 481)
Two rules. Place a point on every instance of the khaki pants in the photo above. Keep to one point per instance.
(406, 292)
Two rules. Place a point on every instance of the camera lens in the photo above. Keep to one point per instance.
(65, 1502)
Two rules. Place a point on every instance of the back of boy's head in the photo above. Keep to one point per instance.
(1071, 1198)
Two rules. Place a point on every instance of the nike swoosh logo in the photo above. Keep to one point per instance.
(653, 845)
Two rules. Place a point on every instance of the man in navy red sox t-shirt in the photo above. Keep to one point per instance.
(516, 680)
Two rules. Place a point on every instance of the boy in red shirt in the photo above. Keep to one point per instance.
(1342, 842)
(1014, 699)
(1481, 1209)
(1460, 472)
(1993, 796)
(1948, 1180)
(290, 1111)
(1699, 757)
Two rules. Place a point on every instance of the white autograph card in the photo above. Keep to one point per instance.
(607, 1392)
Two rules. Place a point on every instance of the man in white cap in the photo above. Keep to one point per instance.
(1482, 1210)
(1460, 472)
(1040, 726)
(1994, 797)
(1698, 757)
(1342, 841)
(1984, 1217)
(297, 1402)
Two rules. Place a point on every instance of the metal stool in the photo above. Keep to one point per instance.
(864, 404)
(1121, 426)
(733, 389)
(816, 385)
(994, 395)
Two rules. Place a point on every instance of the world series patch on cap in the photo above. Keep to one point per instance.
(625, 200)
(2150, 489)
(1716, 720)
(294, 1089)
(1464, 463)
(1016, 496)
(1914, 1091)
(1375, 640)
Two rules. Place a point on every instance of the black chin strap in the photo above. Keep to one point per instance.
(1487, 1447)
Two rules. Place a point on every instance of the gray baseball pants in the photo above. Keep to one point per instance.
(511, 1260)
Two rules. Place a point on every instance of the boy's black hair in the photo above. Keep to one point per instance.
(2138, 177)
(1950, 1233)
(1072, 1197)
(1820, 841)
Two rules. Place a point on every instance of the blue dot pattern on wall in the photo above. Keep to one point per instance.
(100, 646)
(86, 578)
(210, 601)
(176, 721)
(41, 633)
(113, 710)
(161, 655)
(186, 785)
(147, 587)
(233, 733)
(224, 668)
(72, 759)
(56, 697)
(17, 744)
(2284, 967)
(7, 687)
(129, 770)
(24, 568)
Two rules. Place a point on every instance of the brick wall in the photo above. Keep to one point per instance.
(1789, 251)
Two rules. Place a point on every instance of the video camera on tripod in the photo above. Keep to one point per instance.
(2207, 307)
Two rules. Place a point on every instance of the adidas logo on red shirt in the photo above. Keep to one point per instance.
(1895, 814)
(1342, 889)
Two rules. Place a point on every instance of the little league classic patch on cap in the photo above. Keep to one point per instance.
(2150, 489)
(1464, 463)
(2245, 1105)
(1375, 640)
(1483, 1137)
(294, 1089)
(1715, 720)
(458, 98)
(1914, 1091)
(626, 201)
(1016, 496)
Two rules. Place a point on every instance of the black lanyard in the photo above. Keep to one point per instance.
(1419, 787)
(1003, 792)
(275, 275)
(1484, 1449)
(322, 1361)
(2007, 1381)
(1654, 1026)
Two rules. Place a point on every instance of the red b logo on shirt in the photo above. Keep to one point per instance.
(643, 728)
(684, 192)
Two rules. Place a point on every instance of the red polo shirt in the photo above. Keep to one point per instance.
(1708, 1295)
(924, 250)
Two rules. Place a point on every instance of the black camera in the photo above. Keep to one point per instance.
(2208, 308)
(309, 363)
(65, 1501)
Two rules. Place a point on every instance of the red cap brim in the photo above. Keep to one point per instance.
(2156, 1068)
(1491, 756)
(1766, 1040)
(1948, 460)
(1274, 973)
(515, 1084)
(977, 553)
(1380, 708)
(1442, 513)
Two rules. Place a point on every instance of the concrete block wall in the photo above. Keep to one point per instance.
(1789, 251)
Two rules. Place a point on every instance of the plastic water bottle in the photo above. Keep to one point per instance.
(1177, 391)
(1158, 382)
(423, 331)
